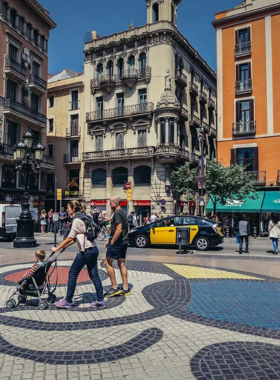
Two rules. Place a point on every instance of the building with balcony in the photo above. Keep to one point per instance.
(248, 83)
(143, 110)
(66, 120)
(24, 36)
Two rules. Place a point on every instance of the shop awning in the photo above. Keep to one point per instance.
(271, 201)
(247, 205)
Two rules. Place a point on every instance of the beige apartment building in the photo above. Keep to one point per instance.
(147, 93)
(24, 36)
(66, 120)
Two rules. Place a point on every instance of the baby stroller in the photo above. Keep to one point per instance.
(36, 286)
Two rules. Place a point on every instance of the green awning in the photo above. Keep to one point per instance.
(271, 201)
(248, 205)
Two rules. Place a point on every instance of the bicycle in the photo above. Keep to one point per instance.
(102, 234)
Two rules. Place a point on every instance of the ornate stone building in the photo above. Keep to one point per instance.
(24, 36)
(147, 92)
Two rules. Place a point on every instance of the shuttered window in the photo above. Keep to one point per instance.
(74, 125)
(120, 140)
(142, 138)
(99, 143)
(11, 90)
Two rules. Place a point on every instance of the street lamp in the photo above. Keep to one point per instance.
(27, 157)
(201, 201)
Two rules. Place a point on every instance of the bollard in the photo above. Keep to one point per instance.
(227, 232)
(255, 232)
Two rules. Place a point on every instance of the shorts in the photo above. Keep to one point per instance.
(116, 251)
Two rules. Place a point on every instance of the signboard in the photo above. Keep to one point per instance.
(142, 203)
(163, 202)
(59, 194)
(55, 217)
(123, 203)
(127, 186)
(98, 203)
(129, 195)
(72, 193)
(34, 213)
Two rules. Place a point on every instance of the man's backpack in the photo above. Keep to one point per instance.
(92, 229)
(130, 219)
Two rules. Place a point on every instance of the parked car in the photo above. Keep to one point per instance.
(8, 220)
(204, 233)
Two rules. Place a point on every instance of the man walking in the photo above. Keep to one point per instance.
(50, 220)
(117, 247)
(62, 216)
(131, 220)
(244, 234)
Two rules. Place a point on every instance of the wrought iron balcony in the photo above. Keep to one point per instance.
(70, 159)
(244, 128)
(211, 104)
(120, 112)
(243, 49)
(37, 84)
(73, 132)
(170, 153)
(6, 150)
(258, 176)
(20, 111)
(194, 120)
(185, 113)
(244, 87)
(205, 126)
(213, 131)
(203, 97)
(117, 154)
(48, 160)
(181, 78)
(14, 69)
(193, 88)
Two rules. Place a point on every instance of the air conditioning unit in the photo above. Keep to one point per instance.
(75, 159)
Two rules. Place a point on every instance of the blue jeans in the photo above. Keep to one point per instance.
(241, 240)
(275, 244)
(61, 224)
(88, 258)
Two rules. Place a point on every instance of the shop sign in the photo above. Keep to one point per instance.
(163, 202)
(8, 199)
(98, 203)
(233, 203)
(55, 217)
(142, 203)
(123, 203)
(69, 193)
(276, 201)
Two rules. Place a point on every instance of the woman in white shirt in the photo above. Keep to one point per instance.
(274, 232)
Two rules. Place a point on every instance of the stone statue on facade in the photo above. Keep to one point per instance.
(26, 93)
(167, 81)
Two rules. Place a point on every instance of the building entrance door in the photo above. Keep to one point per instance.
(141, 213)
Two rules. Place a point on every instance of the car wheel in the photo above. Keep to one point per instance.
(202, 244)
(141, 241)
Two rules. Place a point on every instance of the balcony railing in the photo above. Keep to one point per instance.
(120, 112)
(258, 176)
(244, 87)
(213, 131)
(211, 104)
(69, 158)
(193, 88)
(119, 153)
(181, 78)
(185, 113)
(194, 120)
(205, 126)
(243, 49)
(15, 67)
(48, 160)
(73, 131)
(6, 150)
(35, 80)
(203, 97)
(12, 105)
(244, 128)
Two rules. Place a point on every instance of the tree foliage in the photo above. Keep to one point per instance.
(222, 182)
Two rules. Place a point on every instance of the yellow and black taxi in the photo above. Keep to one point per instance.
(204, 233)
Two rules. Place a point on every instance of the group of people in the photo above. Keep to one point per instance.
(47, 221)
(132, 220)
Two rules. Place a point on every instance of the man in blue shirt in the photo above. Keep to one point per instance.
(62, 216)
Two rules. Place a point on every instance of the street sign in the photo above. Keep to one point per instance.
(59, 194)
(163, 202)
(127, 186)
(55, 217)
(129, 195)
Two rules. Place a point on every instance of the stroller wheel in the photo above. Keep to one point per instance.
(52, 298)
(22, 299)
(42, 305)
(11, 303)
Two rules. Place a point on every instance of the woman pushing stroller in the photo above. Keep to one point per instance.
(80, 232)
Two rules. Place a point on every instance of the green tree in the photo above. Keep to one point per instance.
(222, 182)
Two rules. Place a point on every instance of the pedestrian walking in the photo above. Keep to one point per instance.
(81, 231)
(244, 234)
(62, 217)
(153, 218)
(131, 219)
(50, 220)
(231, 226)
(274, 232)
(95, 216)
(43, 221)
(148, 219)
(100, 218)
(116, 248)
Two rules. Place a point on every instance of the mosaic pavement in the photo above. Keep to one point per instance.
(181, 322)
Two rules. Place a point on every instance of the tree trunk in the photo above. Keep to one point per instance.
(214, 208)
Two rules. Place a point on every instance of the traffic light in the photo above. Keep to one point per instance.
(129, 195)
(59, 194)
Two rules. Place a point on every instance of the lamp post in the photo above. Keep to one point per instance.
(27, 157)
(201, 201)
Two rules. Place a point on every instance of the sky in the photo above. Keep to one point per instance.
(76, 18)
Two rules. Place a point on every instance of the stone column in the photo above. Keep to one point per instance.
(24, 27)
(32, 34)
(17, 21)
(8, 13)
(166, 130)
(176, 131)
(38, 42)
(158, 131)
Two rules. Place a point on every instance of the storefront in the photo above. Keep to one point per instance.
(99, 205)
(142, 209)
(271, 205)
(192, 207)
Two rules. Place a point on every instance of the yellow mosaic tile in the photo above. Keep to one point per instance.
(200, 272)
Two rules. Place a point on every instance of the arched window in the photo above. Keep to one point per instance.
(131, 64)
(172, 13)
(120, 67)
(142, 61)
(120, 176)
(155, 12)
(99, 178)
(100, 70)
(171, 131)
(110, 68)
(142, 175)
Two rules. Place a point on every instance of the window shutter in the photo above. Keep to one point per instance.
(144, 143)
(249, 34)
(249, 70)
(99, 143)
(256, 159)
(237, 73)
(252, 118)
(233, 157)
(237, 116)
(236, 37)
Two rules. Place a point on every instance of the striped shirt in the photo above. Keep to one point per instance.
(32, 270)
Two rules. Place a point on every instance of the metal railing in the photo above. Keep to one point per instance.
(243, 86)
(69, 158)
(193, 87)
(185, 113)
(243, 48)
(211, 104)
(48, 160)
(213, 131)
(10, 64)
(6, 150)
(244, 128)
(73, 131)
(12, 105)
(36, 80)
(194, 120)
(205, 126)
(181, 77)
(203, 96)
(258, 176)
(120, 112)
(119, 153)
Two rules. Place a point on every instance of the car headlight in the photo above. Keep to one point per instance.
(133, 229)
